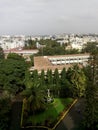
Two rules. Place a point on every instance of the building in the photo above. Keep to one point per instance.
(25, 53)
(59, 61)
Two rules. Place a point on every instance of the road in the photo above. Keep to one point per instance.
(73, 118)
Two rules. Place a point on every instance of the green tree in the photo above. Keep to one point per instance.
(42, 79)
(91, 94)
(15, 56)
(30, 44)
(32, 60)
(1, 53)
(51, 47)
(65, 84)
(12, 74)
(90, 46)
(5, 111)
(28, 79)
(72, 51)
(56, 82)
(35, 76)
(78, 79)
(49, 79)
(34, 97)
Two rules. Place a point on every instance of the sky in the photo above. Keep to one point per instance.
(48, 17)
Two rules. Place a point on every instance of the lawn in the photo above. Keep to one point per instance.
(52, 112)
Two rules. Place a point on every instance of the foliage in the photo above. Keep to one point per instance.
(49, 47)
(28, 79)
(32, 60)
(35, 77)
(15, 56)
(51, 51)
(34, 96)
(52, 112)
(30, 44)
(5, 107)
(90, 46)
(72, 51)
(65, 89)
(77, 79)
(34, 99)
(49, 79)
(56, 83)
(65, 84)
(1, 53)
(42, 79)
(12, 73)
(91, 94)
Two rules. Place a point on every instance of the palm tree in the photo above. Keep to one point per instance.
(33, 95)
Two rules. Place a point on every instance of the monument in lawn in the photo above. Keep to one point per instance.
(48, 92)
(49, 98)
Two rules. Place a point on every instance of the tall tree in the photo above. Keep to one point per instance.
(15, 56)
(49, 79)
(5, 111)
(90, 46)
(42, 79)
(35, 76)
(56, 82)
(34, 101)
(30, 44)
(65, 84)
(12, 74)
(1, 53)
(91, 111)
(28, 79)
(77, 78)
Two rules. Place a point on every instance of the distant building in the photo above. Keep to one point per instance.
(25, 53)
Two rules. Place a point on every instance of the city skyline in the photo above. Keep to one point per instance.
(45, 17)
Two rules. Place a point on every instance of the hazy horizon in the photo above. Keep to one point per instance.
(47, 17)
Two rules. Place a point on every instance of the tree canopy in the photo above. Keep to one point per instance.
(90, 47)
(12, 73)
(91, 93)
(1, 53)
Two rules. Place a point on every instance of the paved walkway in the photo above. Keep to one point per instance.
(73, 118)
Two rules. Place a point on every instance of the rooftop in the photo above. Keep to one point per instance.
(59, 61)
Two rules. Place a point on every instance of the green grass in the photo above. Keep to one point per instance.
(52, 112)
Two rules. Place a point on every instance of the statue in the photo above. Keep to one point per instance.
(48, 93)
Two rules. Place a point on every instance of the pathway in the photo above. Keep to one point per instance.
(73, 118)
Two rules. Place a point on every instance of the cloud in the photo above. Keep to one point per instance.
(47, 16)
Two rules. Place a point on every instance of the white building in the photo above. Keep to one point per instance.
(25, 53)
(59, 61)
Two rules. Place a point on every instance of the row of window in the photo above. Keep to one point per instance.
(68, 60)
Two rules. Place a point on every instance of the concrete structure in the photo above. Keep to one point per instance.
(59, 62)
(25, 53)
